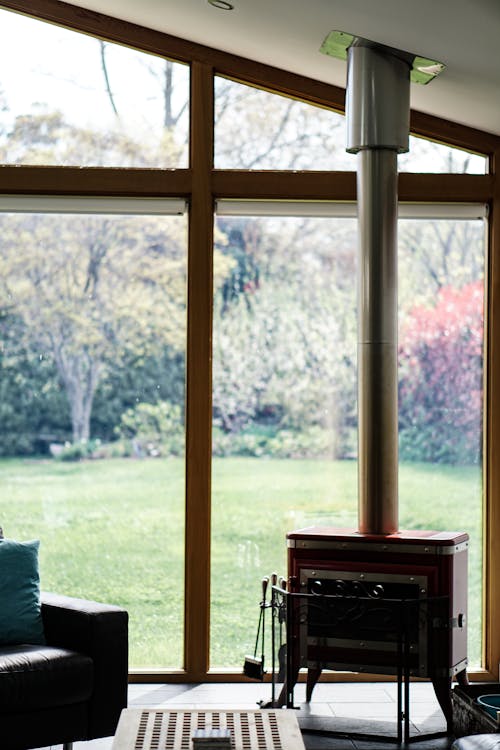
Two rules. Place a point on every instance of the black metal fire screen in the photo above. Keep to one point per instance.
(357, 626)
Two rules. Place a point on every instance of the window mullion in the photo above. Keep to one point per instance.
(199, 380)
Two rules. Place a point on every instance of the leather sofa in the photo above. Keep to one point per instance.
(75, 687)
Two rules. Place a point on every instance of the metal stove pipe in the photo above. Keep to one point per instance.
(377, 111)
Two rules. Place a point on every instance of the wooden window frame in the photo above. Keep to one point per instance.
(202, 185)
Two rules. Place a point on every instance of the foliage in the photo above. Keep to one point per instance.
(258, 441)
(100, 301)
(437, 253)
(154, 429)
(158, 377)
(78, 451)
(91, 291)
(33, 407)
(65, 278)
(94, 324)
(283, 345)
(46, 138)
(440, 390)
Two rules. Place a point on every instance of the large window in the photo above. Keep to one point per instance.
(131, 426)
(284, 396)
(92, 412)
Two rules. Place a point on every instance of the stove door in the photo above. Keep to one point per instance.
(366, 621)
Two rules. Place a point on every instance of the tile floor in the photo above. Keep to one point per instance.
(340, 707)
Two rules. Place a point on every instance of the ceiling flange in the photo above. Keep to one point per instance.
(422, 69)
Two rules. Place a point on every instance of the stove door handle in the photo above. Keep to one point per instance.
(453, 622)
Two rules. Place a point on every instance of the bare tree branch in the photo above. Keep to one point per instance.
(102, 46)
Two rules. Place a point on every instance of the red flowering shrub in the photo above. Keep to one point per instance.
(440, 378)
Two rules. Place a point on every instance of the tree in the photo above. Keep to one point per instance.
(284, 347)
(92, 295)
(33, 407)
(92, 291)
(47, 138)
(255, 129)
(438, 253)
(163, 73)
(440, 391)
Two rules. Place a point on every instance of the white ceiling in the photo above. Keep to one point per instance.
(463, 34)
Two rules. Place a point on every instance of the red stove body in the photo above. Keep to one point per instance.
(408, 565)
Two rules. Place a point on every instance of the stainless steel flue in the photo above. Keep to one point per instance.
(377, 111)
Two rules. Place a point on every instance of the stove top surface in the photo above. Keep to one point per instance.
(418, 536)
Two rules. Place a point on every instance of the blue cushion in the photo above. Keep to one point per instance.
(20, 610)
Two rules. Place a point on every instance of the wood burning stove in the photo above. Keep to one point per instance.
(425, 569)
(377, 599)
(392, 604)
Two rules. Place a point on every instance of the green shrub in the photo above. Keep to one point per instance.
(264, 440)
(153, 429)
(117, 449)
(441, 378)
(434, 444)
(313, 442)
(78, 451)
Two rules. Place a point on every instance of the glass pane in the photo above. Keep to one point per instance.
(426, 156)
(441, 271)
(70, 99)
(284, 397)
(258, 130)
(92, 412)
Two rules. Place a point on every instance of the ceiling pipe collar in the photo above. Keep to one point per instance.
(377, 98)
(422, 69)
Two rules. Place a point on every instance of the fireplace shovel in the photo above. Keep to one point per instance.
(253, 666)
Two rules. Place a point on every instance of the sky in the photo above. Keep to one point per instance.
(45, 65)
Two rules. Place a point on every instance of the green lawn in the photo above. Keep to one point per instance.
(113, 530)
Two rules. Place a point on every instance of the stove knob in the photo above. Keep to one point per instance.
(317, 588)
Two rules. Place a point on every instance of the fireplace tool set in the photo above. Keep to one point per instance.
(254, 666)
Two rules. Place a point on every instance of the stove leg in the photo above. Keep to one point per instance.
(313, 676)
(400, 712)
(461, 678)
(442, 688)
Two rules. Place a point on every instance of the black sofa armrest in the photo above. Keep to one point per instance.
(101, 632)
